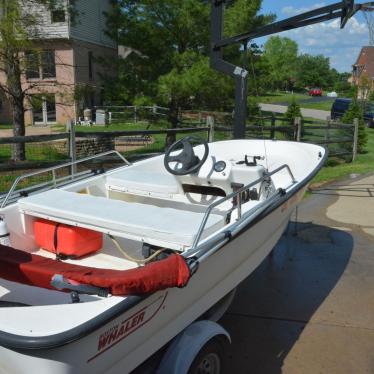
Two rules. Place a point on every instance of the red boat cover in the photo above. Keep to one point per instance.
(26, 268)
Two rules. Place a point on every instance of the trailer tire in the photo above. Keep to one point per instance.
(210, 359)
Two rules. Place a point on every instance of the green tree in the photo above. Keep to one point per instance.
(342, 85)
(293, 112)
(19, 28)
(259, 78)
(158, 30)
(355, 111)
(314, 71)
(174, 35)
(281, 54)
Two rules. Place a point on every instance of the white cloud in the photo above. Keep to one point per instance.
(292, 11)
(342, 46)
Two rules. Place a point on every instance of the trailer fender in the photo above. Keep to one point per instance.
(187, 345)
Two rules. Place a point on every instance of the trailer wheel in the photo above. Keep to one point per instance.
(210, 359)
(198, 349)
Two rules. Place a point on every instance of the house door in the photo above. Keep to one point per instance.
(44, 109)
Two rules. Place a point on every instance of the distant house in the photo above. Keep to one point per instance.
(64, 76)
(364, 66)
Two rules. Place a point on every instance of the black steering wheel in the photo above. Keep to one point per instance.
(189, 162)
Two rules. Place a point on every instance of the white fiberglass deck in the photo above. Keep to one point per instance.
(177, 228)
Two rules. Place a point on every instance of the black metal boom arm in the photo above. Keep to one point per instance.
(344, 10)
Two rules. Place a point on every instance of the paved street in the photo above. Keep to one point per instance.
(310, 307)
(310, 113)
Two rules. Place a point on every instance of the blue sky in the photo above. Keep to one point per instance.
(341, 46)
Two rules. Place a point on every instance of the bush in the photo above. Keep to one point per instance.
(293, 112)
(143, 101)
(355, 111)
(253, 109)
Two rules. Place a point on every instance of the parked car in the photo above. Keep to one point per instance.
(332, 94)
(340, 106)
(315, 92)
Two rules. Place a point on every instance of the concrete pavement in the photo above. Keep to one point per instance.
(309, 308)
(310, 113)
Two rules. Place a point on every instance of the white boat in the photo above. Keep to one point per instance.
(207, 215)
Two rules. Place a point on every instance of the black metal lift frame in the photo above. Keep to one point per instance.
(343, 10)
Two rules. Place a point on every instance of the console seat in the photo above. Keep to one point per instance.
(143, 182)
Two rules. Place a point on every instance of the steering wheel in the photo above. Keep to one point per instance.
(189, 162)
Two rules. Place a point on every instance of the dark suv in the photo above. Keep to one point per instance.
(340, 106)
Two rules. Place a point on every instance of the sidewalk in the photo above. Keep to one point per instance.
(30, 130)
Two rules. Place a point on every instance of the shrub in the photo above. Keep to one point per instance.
(355, 111)
(254, 109)
(293, 112)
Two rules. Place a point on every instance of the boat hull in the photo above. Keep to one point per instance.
(126, 341)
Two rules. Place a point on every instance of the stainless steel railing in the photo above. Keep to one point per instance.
(55, 180)
(237, 194)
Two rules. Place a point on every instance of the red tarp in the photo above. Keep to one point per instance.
(19, 266)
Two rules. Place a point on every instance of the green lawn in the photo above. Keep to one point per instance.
(363, 164)
(34, 152)
(274, 98)
(324, 105)
(5, 127)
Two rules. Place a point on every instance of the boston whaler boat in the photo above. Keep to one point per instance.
(99, 269)
(105, 268)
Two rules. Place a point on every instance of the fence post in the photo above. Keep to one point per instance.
(272, 129)
(135, 114)
(72, 145)
(32, 116)
(210, 124)
(298, 128)
(355, 140)
(327, 133)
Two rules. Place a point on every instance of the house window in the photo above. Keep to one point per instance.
(40, 65)
(32, 65)
(58, 15)
(48, 64)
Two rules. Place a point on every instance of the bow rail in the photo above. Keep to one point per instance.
(55, 181)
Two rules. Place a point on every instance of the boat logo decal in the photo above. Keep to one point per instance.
(123, 329)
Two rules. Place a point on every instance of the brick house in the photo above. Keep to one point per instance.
(65, 76)
(364, 66)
